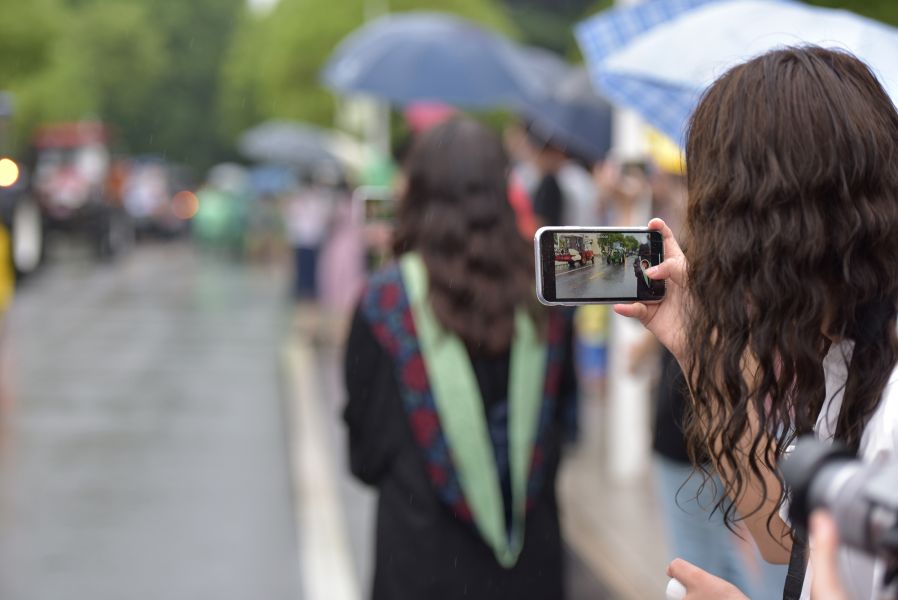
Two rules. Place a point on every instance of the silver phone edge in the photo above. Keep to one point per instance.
(539, 271)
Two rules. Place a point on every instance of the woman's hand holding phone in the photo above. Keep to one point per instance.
(667, 318)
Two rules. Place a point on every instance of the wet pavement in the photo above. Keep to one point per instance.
(169, 435)
(599, 280)
(143, 455)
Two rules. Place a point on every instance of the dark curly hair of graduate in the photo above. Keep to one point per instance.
(455, 213)
(792, 241)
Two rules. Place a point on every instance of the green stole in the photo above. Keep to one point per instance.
(461, 413)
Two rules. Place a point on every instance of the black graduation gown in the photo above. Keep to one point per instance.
(422, 551)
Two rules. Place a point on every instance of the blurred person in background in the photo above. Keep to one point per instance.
(456, 380)
(308, 222)
(341, 265)
(564, 192)
(219, 221)
(622, 185)
(613, 196)
(783, 311)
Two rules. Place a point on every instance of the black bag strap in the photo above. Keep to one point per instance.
(798, 564)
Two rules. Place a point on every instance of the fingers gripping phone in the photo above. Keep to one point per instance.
(597, 265)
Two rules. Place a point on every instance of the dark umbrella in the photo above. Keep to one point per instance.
(549, 66)
(574, 118)
(424, 56)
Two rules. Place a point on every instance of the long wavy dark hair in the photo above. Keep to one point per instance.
(792, 241)
(455, 213)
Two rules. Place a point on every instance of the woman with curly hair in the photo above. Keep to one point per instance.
(455, 380)
(781, 307)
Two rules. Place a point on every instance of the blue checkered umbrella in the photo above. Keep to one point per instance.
(658, 57)
(665, 106)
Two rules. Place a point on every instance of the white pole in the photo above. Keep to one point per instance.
(378, 133)
(628, 394)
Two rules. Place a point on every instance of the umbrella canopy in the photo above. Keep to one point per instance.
(550, 67)
(574, 117)
(665, 106)
(287, 143)
(426, 56)
(293, 144)
(658, 69)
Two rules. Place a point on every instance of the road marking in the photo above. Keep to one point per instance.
(590, 266)
(326, 568)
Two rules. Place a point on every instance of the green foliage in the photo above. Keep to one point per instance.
(148, 67)
(51, 88)
(274, 62)
(26, 31)
(881, 10)
(183, 120)
(598, 6)
(544, 28)
(183, 77)
(123, 61)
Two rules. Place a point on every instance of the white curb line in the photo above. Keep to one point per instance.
(326, 568)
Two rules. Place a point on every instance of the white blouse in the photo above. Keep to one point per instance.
(861, 575)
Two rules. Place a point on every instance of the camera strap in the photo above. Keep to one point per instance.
(798, 564)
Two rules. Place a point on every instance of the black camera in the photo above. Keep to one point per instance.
(862, 497)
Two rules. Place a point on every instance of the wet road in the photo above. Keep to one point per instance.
(600, 280)
(143, 456)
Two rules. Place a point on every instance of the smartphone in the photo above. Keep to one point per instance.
(374, 204)
(597, 265)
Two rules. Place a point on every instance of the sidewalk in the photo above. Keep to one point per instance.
(615, 527)
(612, 531)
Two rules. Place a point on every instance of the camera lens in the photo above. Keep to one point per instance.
(839, 487)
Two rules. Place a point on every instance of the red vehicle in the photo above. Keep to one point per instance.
(574, 250)
(77, 185)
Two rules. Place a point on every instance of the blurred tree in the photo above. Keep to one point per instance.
(26, 38)
(148, 67)
(274, 61)
(549, 23)
(123, 59)
(44, 67)
(881, 10)
(183, 122)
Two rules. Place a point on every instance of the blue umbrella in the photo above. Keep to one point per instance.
(550, 66)
(425, 56)
(574, 118)
(665, 106)
(658, 58)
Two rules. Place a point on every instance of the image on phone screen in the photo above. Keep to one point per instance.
(375, 204)
(582, 266)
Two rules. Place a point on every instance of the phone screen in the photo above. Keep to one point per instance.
(578, 265)
(374, 204)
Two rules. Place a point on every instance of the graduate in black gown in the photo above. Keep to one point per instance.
(456, 379)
